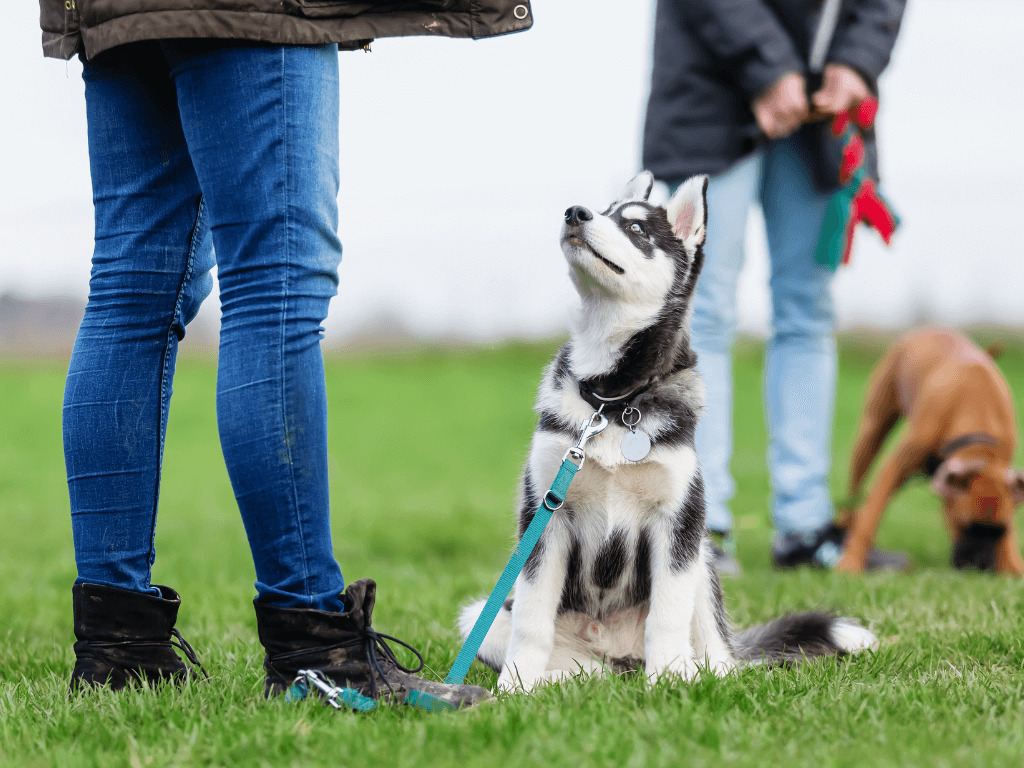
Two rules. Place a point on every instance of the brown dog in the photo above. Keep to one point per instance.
(961, 431)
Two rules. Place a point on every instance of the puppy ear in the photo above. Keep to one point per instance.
(1015, 479)
(639, 188)
(954, 476)
(688, 211)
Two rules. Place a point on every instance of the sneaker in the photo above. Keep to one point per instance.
(723, 554)
(823, 548)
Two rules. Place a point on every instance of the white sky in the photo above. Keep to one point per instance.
(459, 157)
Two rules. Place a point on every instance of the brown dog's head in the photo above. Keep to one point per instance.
(981, 495)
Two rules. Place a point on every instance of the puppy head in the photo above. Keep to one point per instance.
(635, 252)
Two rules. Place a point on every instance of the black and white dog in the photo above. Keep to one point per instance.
(622, 575)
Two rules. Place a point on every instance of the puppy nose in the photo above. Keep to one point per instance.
(577, 215)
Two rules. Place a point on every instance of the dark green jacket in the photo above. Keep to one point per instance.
(93, 26)
(712, 58)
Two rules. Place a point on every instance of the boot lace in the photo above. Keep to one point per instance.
(375, 648)
(182, 645)
(190, 655)
(373, 641)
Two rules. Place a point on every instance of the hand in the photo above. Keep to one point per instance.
(841, 88)
(782, 108)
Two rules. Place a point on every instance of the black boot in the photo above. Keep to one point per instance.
(823, 548)
(346, 649)
(124, 635)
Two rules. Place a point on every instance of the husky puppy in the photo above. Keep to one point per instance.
(622, 575)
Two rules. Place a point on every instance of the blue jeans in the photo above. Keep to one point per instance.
(800, 364)
(196, 146)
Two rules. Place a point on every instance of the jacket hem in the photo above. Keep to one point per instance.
(279, 28)
(57, 45)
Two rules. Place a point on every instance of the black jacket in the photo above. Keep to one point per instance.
(712, 58)
(92, 26)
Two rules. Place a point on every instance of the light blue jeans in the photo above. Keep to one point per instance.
(196, 144)
(800, 362)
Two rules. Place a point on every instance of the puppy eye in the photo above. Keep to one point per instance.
(637, 227)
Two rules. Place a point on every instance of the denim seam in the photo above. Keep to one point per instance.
(165, 364)
(282, 355)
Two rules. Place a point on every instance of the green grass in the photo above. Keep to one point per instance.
(426, 449)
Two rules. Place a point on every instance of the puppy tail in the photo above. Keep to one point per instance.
(798, 636)
(492, 652)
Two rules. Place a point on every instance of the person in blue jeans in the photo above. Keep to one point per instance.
(729, 97)
(223, 152)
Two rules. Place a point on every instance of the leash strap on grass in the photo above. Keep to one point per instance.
(555, 497)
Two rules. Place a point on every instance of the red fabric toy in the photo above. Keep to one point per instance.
(858, 200)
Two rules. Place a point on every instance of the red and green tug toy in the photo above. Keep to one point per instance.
(858, 199)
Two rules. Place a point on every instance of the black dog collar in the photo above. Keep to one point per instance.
(933, 462)
(597, 400)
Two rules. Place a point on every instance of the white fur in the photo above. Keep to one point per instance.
(851, 637)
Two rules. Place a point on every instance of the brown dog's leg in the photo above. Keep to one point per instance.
(905, 460)
(881, 413)
(1008, 559)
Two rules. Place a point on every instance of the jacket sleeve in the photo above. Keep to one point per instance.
(866, 34)
(747, 35)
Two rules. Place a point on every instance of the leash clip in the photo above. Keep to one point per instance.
(595, 425)
(311, 678)
(336, 696)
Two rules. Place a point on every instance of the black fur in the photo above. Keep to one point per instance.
(682, 415)
(688, 526)
(575, 596)
(721, 615)
(610, 561)
(560, 366)
(640, 586)
(526, 514)
(642, 241)
(549, 422)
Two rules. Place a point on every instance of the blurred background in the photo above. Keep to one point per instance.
(458, 160)
(459, 157)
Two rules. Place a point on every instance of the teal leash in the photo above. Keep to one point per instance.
(553, 500)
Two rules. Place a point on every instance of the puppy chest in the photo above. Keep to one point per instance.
(626, 493)
(607, 569)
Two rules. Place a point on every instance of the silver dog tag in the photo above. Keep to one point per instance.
(635, 445)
